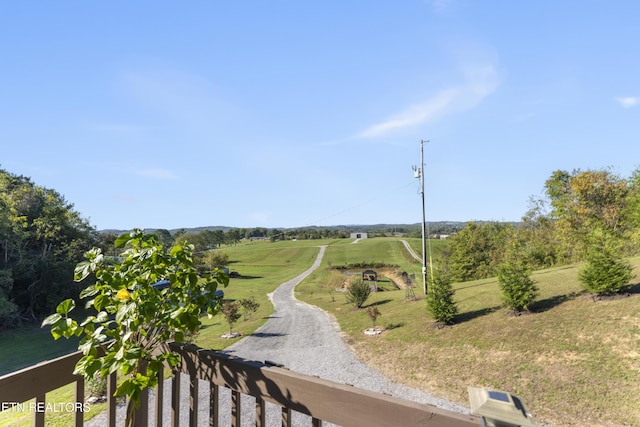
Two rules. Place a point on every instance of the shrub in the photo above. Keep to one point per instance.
(96, 386)
(133, 318)
(605, 273)
(250, 306)
(373, 314)
(518, 290)
(358, 292)
(440, 302)
(230, 311)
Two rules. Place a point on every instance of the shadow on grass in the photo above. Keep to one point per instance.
(394, 326)
(374, 304)
(470, 315)
(547, 304)
(634, 289)
(243, 277)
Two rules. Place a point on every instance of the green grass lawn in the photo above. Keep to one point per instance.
(573, 361)
(20, 348)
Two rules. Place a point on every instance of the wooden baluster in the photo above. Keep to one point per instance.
(38, 416)
(175, 399)
(214, 405)
(236, 409)
(194, 388)
(261, 413)
(78, 415)
(111, 399)
(286, 417)
(159, 398)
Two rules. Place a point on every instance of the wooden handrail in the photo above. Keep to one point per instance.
(321, 399)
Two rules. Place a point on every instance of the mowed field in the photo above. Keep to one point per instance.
(573, 361)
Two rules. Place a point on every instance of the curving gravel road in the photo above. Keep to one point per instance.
(304, 339)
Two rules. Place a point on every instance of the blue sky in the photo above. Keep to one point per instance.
(292, 113)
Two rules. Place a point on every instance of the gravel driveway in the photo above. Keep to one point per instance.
(304, 339)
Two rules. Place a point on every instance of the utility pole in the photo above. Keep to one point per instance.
(419, 173)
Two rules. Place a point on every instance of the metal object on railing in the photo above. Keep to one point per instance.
(499, 408)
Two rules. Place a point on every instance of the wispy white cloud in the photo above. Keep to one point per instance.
(628, 101)
(157, 174)
(480, 82)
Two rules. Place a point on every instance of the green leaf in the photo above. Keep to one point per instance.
(99, 302)
(102, 317)
(126, 388)
(65, 306)
(88, 291)
(50, 320)
(122, 240)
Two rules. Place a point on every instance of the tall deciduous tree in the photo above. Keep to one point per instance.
(585, 201)
(477, 249)
(631, 212)
(41, 239)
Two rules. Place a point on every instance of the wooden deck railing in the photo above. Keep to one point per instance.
(320, 399)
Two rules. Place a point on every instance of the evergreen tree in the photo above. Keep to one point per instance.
(606, 272)
(358, 292)
(518, 290)
(440, 303)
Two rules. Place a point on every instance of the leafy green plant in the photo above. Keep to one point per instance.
(517, 289)
(605, 273)
(250, 306)
(97, 386)
(358, 292)
(230, 311)
(440, 303)
(373, 313)
(134, 317)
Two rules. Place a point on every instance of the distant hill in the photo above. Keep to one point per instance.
(438, 227)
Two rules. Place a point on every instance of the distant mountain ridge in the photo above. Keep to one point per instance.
(434, 225)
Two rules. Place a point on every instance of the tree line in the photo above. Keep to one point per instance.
(41, 240)
(582, 214)
(580, 211)
(591, 216)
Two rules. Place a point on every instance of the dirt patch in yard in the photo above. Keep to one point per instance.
(394, 276)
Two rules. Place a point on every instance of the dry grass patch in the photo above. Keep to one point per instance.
(573, 361)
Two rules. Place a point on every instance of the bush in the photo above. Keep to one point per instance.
(358, 292)
(440, 302)
(250, 306)
(230, 311)
(373, 314)
(96, 386)
(518, 290)
(132, 317)
(605, 273)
